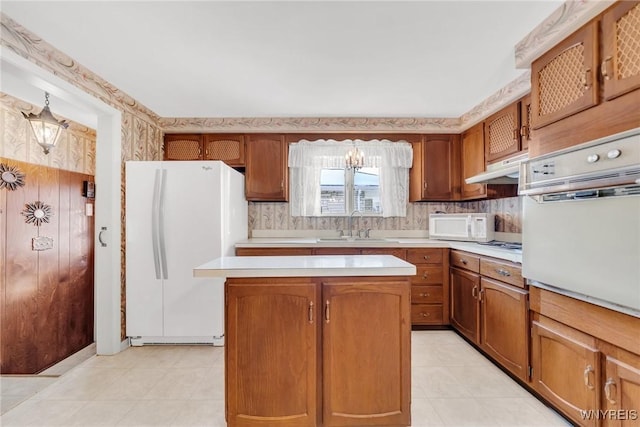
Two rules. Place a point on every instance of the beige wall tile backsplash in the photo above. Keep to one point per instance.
(275, 216)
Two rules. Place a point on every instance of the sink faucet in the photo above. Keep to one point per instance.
(351, 222)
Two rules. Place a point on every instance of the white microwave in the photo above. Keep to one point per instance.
(470, 227)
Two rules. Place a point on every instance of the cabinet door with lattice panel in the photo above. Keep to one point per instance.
(620, 66)
(502, 133)
(564, 80)
(183, 147)
(226, 147)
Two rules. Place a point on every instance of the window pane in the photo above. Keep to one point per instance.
(366, 191)
(332, 192)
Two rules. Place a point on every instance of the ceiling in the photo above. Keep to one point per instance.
(292, 58)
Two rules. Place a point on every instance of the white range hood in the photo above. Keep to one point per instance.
(503, 172)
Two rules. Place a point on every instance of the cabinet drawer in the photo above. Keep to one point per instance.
(427, 275)
(273, 251)
(426, 314)
(426, 294)
(397, 252)
(424, 256)
(503, 271)
(336, 251)
(465, 260)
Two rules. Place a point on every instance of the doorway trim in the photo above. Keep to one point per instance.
(28, 83)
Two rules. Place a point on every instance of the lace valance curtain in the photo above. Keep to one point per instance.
(308, 158)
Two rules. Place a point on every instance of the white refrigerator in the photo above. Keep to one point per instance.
(179, 215)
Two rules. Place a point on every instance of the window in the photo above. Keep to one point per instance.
(343, 190)
(322, 186)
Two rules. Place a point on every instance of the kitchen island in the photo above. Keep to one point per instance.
(316, 340)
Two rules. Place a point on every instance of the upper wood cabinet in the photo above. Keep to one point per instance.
(183, 147)
(620, 66)
(564, 80)
(502, 133)
(433, 174)
(226, 147)
(267, 172)
(472, 162)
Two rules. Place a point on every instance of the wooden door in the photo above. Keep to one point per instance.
(366, 352)
(266, 168)
(226, 147)
(272, 331)
(502, 133)
(566, 370)
(504, 325)
(183, 147)
(621, 389)
(564, 80)
(464, 302)
(472, 162)
(620, 67)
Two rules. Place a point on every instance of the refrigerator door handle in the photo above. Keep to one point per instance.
(163, 249)
(155, 209)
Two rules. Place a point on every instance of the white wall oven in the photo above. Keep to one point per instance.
(581, 221)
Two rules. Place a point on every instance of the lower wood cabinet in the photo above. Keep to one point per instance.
(566, 369)
(318, 351)
(271, 353)
(504, 325)
(430, 286)
(585, 360)
(492, 314)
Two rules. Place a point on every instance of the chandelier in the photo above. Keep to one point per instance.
(354, 159)
(46, 128)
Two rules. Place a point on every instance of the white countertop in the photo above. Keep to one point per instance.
(306, 266)
(293, 242)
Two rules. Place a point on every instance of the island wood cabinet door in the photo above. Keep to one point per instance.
(504, 325)
(272, 352)
(566, 369)
(465, 287)
(366, 353)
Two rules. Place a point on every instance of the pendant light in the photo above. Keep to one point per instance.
(354, 159)
(46, 128)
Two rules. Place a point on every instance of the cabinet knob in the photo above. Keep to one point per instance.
(474, 292)
(463, 261)
(424, 314)
(424, 294)
(424, 275)
(503, 272)
(426, 257)
(586, 79)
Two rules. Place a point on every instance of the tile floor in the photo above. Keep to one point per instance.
(452, 385)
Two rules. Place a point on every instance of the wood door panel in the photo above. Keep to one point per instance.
(566, 369)
(473, 162)
(266, 177)
(271, 332)
(365, 374)
(464, 303)
(19, 348)
(504, 328)
(50, 301)
(41, 308)
(622, 390)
